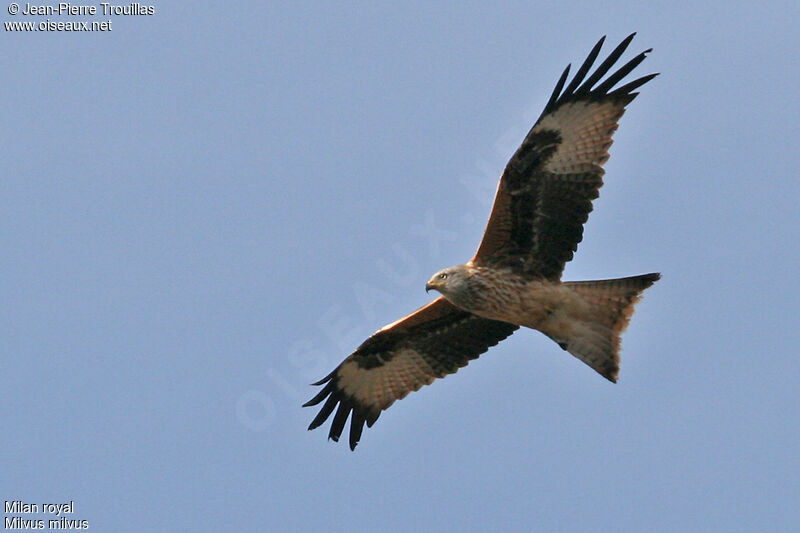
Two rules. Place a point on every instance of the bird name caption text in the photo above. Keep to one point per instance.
(23, 515)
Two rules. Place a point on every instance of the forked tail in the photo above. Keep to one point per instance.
(596, 335)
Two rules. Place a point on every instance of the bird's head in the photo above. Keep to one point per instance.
(449, 281)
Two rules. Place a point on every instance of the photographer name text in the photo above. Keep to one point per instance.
(69, 9)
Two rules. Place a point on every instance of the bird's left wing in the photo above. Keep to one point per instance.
(546, 191)
(433, 341)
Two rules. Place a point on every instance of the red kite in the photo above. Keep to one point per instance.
(543, 199)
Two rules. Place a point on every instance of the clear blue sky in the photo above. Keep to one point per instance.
(206, 209)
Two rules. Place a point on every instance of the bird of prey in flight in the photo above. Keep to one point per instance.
(543, 199)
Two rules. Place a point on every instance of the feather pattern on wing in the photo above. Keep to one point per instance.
(546, 191)
(432, 342)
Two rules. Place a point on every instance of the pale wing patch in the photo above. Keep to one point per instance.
(381, 386)
(585, 129)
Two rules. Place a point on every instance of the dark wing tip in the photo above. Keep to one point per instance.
(587, 87)
(372, 418)
(605, 66)
(356, 427)
(325, 379)
(557, 90)
(628, 88)
(343, 405)
(325, 412)
(326, 390)
(339, 420)
(584, 68)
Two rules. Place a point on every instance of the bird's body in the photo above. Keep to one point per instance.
(584, 318)
(502, 294)
(543, 199)
(507, 296)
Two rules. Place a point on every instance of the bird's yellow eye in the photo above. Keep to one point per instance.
(442, 276)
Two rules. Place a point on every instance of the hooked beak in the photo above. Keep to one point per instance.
(433, 284)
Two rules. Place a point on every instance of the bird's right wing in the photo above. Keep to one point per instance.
(433, 341)
(546, 191)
